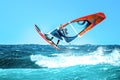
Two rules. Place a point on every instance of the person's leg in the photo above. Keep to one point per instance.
(58, 42)
(51, 38)
(48, 37)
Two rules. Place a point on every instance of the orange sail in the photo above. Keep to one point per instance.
(94, 19)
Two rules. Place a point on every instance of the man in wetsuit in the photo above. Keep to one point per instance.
(58, 34)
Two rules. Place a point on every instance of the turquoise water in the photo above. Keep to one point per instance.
(42, 62)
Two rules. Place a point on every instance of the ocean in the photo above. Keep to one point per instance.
(72, 62)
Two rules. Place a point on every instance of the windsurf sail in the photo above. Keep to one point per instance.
(90, 21)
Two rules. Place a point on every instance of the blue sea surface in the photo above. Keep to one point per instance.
(72, 62)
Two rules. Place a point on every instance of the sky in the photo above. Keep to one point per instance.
(17, 19)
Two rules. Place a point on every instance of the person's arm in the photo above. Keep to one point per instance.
(63, 25)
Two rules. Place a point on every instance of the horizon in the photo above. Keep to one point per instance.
(66, 44)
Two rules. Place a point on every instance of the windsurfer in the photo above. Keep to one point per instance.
(59, 33)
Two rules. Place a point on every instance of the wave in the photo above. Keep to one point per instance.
(64, 60)
(39, 56)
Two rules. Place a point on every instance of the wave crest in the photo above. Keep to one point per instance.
(62, 60)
